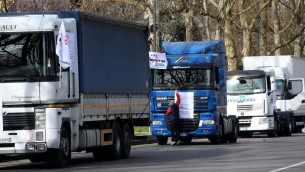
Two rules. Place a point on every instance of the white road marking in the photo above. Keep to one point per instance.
(284, 168)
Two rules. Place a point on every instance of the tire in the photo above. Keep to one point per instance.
(274, 131)
(186, 139)
(115, 150)
(59, 158)
(126, 141)
(288, 130)
(217, 139)
(234, 134)
(162, 140)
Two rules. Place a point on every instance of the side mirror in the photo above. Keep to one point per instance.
(242, 81)
(222, 83)
(273, 84)
(221, 74)
(289, 85)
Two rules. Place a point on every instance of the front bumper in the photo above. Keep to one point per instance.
(15, 142)
(205, 130)
(255, 125)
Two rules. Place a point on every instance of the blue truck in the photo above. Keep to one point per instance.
(196, 69)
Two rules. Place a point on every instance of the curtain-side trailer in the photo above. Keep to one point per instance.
(48, 112)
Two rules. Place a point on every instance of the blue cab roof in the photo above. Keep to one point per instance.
(193, 47)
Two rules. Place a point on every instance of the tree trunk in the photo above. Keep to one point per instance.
(206, 21)
(189, 24)
(150, 11)
(263, 30)
(229, 41)
(220, 20)
(3, 8)
(297, 45)
(246, 49)
(276, 25)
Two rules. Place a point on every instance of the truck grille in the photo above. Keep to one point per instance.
(19, 121)
(245, 121)
(244, 107)
(186, 125)
(200, 103)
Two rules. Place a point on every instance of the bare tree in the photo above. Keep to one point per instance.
(263, 28)
(206, 21)
(3, 7)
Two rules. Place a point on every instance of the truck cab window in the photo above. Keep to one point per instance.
(216, 75)
(183, 79)
(27, 54)
(280, 87)
(246, 85)
(268, 84)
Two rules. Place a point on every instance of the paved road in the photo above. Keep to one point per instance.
(247, 155)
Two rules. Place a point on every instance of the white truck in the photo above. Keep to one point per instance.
(252, 95)
(92, 106)
(290, 90)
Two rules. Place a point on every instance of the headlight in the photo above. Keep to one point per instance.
(161, 98)
(206, 122)
(40, 117)
(157, 122)
(263, 121)
(39, 124)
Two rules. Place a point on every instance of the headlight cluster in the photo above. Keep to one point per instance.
(206, 122)
(161, 98)
(157, 122)
(263, 120)
(40, 119)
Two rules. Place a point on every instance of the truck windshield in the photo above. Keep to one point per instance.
(280, 87)
(246, 85)
(183, 79)
(29, 55)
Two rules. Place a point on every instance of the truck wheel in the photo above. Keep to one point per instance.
(217, 139)
(126, 141)
(116, 148)
(162, 140)
(288, 130)
(234, 134)
(59, 157)
(274, 131)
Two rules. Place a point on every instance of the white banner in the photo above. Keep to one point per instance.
(157, 60)
(62, 48)
(1, 117)
(186, 107)
(72, 49)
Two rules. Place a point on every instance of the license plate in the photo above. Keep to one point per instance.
(182, 134)
(242, 129)
(5, 140)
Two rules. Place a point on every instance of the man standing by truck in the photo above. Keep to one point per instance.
(173, 110)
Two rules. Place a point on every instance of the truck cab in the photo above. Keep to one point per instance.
(196, 70)
(252, 96)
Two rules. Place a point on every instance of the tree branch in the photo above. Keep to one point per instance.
(288, 41)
